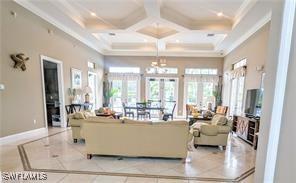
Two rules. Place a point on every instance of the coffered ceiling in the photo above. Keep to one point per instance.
(139, 27)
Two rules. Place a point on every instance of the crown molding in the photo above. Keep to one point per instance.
(243, 10)
(163, 53)
(263, 21)
(29, 6)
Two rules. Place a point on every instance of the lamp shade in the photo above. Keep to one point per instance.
(87, 89)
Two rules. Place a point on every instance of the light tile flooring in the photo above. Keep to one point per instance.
(58, 152)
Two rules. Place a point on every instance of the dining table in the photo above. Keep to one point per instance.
(149, 108)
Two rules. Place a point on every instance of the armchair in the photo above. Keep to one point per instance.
(214, 133)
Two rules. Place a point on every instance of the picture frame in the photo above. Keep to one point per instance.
(76, 78)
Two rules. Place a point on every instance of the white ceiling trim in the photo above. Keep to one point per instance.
(249, 33)
(243, 10)
(56, 23)
(164, 53)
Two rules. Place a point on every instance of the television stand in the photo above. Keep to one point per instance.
(246, 128)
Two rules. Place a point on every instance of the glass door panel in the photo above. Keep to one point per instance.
(208, 97)
(169, 94)
(191, 92)
(117, 97)
(153, 89)
(92, 82)
(132, 92)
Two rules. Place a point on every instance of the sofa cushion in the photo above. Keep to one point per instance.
(130, 121)
(175, 122)
(79, 115)
(88, 114)
(210, 130)
(224, 129)
(219, 120)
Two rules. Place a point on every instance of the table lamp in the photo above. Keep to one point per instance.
(87, 90)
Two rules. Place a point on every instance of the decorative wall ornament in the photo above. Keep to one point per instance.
(76, 78)
(19, 60)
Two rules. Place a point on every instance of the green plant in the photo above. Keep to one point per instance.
(109, 92)
(71, 92)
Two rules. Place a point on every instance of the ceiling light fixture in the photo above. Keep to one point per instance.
(145, 40)
(220, 14)
(158, 65)
(112, 34)
(93, 14)
(177, 41)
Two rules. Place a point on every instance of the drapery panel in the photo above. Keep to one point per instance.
(123, 76)
(239, 72)
(202, 78)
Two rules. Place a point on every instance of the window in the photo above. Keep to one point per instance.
(135, 70)
(200, 93)
(162, 70)
(237, 90)
(125, 82)
(240, 64)
(91, 65)
(201, 71)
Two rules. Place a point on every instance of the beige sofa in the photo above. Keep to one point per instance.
(214, 133)
(76, 120)
(136, 138)
(105, 136)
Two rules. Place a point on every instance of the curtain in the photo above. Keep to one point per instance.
(123, 76)
(239, 72)
(202, 78)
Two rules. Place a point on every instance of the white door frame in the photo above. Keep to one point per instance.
(96, 87)
(61, 89)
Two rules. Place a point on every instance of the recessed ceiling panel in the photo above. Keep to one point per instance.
(107, 9)
(204, 9)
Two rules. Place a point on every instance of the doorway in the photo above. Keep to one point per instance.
(93, 84)
(53, 92)
(164, 90)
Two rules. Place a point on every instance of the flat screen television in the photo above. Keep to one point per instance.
(253, 102)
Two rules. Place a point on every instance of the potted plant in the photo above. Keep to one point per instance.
(109, 92)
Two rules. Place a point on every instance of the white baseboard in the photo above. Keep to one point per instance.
(22, 135)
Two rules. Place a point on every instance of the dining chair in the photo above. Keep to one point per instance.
(170, 114)
(128, 113)
(141, 110)
(68, 111)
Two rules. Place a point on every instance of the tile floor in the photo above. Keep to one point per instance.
(58, 152)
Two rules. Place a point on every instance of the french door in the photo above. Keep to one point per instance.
(93, 84)
(127, 91)
(162, 89)
(237, 96)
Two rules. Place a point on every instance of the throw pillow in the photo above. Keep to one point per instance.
(79, 115)
(219, 120)
(88, 114)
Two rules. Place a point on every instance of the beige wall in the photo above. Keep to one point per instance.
(254, 49)
(180, 62)
(285, 170)
(22, 100)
